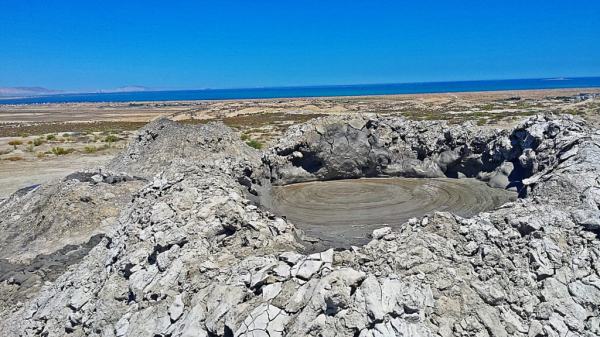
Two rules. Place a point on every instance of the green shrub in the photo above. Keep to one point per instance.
(59, 151)
(38, 142)
(51, 137)
(94, 149)
(255, 144)
(111, 139)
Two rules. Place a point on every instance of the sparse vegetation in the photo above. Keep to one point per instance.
(111, 139)
(54, 128)
(60, 151)
(38, 142)
(14, 158)
(15, 143)
(51, 137)
(90, 149)
(255, 144)
(94, 149)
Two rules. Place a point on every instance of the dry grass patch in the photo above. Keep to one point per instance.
(60, 151)
(15, 143)
(42, 128)
(94, 149)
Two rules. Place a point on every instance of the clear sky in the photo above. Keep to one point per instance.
(78, 45)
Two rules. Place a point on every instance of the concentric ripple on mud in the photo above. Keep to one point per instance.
(344, 212)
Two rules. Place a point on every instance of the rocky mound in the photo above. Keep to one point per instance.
(192, 255)
(164, 142)
(45, 229)
(359, 146)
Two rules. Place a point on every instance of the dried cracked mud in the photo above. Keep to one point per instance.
(345, 212)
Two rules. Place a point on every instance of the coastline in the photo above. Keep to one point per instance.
(525, 93)
(289, 92)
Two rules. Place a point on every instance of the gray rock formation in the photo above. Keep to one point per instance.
(362, 146)
(192, 255)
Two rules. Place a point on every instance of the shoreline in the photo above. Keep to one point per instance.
(353, 96)
(529, 93)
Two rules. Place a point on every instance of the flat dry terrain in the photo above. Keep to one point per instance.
(39, 142)
(16, 175)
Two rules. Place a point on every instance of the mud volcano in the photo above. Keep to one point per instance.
(189, 252)
(345, 212)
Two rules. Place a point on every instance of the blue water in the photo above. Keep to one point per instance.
(315, 91)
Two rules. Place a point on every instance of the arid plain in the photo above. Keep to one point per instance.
(40, 142)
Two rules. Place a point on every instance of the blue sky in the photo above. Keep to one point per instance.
(79, 45)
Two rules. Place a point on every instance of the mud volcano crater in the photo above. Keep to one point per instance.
(340, 179)
(344, 212)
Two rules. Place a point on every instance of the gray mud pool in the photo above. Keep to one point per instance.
(345, 212)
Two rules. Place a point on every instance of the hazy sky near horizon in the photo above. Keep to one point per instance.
(87, 45)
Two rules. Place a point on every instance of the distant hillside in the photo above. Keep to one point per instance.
(128, 88)
(26, 91)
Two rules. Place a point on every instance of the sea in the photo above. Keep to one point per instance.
(313, 91)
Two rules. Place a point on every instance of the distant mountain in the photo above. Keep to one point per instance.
(26, 91)
(40, 91)
(127, 88)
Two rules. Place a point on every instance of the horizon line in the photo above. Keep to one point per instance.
(555, 78)
(155, 89)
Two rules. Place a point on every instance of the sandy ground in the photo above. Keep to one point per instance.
(37, 159)
(19, 174)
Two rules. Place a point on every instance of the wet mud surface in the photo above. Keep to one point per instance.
(345, 212)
